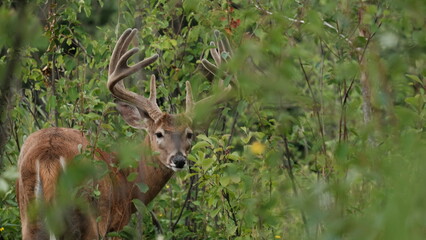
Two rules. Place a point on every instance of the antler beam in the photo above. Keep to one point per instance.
(118, 70)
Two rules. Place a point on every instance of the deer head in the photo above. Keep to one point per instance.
(168, 134)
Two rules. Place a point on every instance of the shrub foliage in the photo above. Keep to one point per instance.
(324, 139)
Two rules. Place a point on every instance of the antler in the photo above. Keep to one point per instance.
(220, 53)
(118, 70)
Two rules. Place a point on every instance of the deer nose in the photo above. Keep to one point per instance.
(179, 160)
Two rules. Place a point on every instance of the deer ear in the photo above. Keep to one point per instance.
(133, 116)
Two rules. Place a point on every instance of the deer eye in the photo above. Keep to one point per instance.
(159, 134)
(189, 135)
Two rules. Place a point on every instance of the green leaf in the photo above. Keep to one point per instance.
(205, 138)
(132, 176)
(190, 5)
(235, 178)
(113, 234)
(3, 186)
(96, 193)
(233, 156)
(346, 70)
(416, 101)
(201, 144)
(51, 104)
(93, 116)
(173, 42)
(414, 78)
(207, 163)
(140, 206)
(142, 187)
(224, 181)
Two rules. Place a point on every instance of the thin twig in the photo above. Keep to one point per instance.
(316, 103)
(325, 23)
(225, 194)
(53, 84)
(188, 195)
(368, 43)
(32, 113)
(15, 132)
(157, 223)
(293, 181)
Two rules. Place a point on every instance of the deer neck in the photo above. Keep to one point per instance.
(153, 174)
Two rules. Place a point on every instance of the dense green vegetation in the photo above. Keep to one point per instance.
(324, 140)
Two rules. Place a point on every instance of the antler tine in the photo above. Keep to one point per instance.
(222, 43)
(227, 46)
(215, 54)
(119, 69)
(219, 53)
(153, 92)
(209, 66)
(219, 43)
(189, 99)
(127, 41)
(116, 53)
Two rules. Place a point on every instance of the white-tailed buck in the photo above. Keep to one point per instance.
(47, 153)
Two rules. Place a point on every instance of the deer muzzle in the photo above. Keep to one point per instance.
(178, 161)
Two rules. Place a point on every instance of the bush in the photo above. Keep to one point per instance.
(324, 140)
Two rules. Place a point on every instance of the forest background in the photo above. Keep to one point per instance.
(324, 140)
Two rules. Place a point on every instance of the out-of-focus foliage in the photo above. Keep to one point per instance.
(326, 139)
